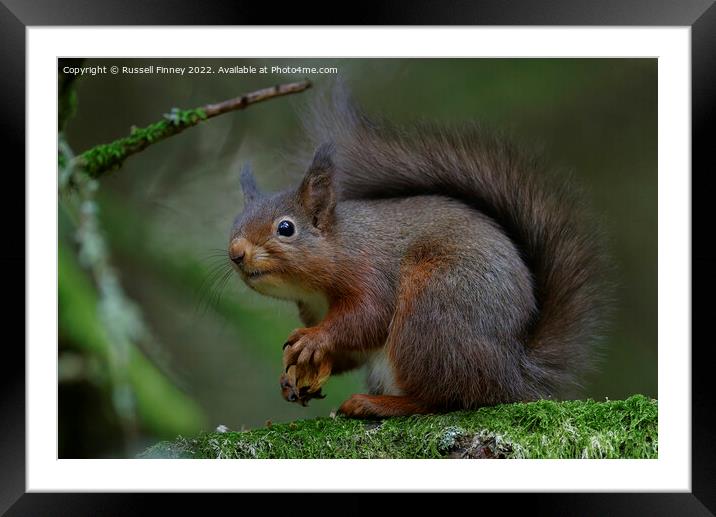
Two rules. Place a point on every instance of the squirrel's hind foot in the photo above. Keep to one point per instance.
(381, 406)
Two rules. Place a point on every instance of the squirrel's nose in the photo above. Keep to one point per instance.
(237, 250)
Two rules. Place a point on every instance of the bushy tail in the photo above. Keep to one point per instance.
(540, 213)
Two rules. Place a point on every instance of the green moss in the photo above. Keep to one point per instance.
(543, 429)
(108, 157)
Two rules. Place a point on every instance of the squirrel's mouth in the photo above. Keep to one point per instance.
(255, 274)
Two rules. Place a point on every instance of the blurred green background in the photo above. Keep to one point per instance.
(215, 354)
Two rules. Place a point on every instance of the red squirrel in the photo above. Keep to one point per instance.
(455, 268)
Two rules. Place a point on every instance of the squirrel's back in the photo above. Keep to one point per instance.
(538, 212)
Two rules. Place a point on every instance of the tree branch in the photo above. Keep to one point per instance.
(107, 157)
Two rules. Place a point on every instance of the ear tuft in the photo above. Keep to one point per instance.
(248, 184)
(316, 193)
(323, 157)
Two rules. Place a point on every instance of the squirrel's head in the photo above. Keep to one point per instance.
(281, 241)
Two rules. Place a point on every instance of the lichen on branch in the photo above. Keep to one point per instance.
(108, 157)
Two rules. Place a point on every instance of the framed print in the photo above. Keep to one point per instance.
(204, 171)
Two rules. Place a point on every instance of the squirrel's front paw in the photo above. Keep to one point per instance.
(292, 393)
(307, 365)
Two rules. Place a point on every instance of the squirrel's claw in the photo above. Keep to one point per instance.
(291, 393)
(307, 365)
(305, 396)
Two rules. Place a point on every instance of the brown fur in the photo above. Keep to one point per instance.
(457, 269)
(371, 406)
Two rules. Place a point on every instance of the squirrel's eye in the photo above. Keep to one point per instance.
(286, 228)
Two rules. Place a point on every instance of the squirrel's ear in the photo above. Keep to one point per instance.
(248, 185)
(316, 192)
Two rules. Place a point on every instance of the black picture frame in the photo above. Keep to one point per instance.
(700, 15)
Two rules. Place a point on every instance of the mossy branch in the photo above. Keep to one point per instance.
(107, 157)
(544, 429)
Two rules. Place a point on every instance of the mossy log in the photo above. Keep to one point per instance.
(543, 429)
